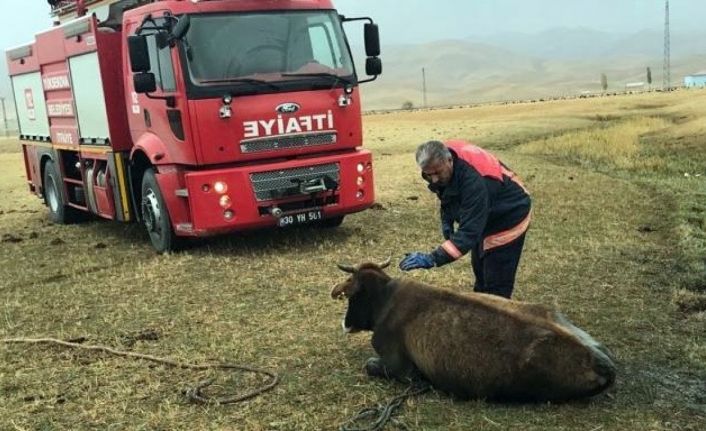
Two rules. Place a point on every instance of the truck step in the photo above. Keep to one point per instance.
(77, 206)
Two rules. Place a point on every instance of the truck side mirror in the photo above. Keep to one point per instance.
(372, 40)
(139, 54)
(144, 82)
(373, 66)
(181, 27)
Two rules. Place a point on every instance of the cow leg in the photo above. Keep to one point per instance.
(392, 363)
(408, 373)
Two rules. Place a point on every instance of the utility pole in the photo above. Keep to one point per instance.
(424, 86)
(4, 115)
(667, 72)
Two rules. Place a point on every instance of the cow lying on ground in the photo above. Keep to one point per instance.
(472, 345)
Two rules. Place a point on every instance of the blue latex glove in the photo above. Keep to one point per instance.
(417, 260)
(447, 230)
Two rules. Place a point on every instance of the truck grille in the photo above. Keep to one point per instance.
(278, 184)
(287, 142)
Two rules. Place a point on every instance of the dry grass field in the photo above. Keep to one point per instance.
(618, 243)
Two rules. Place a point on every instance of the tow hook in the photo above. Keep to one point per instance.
(313, 185)
(276, 212)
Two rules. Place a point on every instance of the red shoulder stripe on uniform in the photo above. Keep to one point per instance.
(513, 176)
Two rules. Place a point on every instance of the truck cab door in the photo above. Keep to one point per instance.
(157, 112)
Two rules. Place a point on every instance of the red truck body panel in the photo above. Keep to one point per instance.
(319, 115)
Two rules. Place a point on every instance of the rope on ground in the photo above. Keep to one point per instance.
(383, 413)
(194, 394)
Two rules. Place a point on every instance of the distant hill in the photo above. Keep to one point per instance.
(557, 43)
(452, 67)
(582, 43)
(558, 62)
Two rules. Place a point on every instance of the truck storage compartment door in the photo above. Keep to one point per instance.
(31, 107)
(87, 87)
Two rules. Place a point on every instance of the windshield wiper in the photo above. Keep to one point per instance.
(241, 81)
(322, 75)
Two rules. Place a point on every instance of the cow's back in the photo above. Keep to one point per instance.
(477, 345)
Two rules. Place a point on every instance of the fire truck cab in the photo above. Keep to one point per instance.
(195, 117)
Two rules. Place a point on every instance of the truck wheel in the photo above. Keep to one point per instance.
(155, 216)
(331, 222)
(53, 196)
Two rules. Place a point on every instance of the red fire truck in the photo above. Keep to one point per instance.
(195, 117)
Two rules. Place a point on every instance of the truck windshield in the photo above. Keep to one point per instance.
(298, 48)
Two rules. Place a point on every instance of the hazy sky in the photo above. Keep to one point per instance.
(424, 20)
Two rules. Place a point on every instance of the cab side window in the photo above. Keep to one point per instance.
(161, 62)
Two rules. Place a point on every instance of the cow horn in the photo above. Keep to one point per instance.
(347, 268)
(386, 263)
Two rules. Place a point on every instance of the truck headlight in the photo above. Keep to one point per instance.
(220, 187)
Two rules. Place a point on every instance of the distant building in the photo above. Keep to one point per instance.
(634, 85)
(697, 80)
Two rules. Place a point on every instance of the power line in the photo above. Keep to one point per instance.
(424, 86)
(667, 73)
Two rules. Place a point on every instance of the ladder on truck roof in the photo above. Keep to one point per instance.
(65, 10)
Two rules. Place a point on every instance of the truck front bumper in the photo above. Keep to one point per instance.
(248, 197)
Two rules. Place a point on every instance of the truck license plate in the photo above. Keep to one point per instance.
(300, 218)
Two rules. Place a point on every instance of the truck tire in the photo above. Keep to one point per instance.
(59, 212)
(155, 216)
(331, 222)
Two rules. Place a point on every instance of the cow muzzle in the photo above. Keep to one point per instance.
(339, 291)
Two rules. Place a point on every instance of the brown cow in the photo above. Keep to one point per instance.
(471, 345)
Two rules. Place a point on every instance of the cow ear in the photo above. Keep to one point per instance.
(346, 289)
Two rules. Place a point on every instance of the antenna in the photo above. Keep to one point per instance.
(667, 73)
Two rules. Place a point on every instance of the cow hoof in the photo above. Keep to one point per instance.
(375, 368)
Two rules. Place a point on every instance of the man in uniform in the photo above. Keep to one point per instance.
(485, 209)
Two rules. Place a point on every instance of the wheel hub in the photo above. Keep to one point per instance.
(52, 197)
(151, 213)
